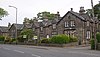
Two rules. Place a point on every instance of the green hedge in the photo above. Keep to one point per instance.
(92, 44)
(60, 39)
(21, 39)
(73, 39)
(45, 40)
(2, 38)
(8, 39)
(98, 37)
(13, 40)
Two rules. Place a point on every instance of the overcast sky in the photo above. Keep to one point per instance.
(30, 8)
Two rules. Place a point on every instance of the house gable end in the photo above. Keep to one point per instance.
(73, 13)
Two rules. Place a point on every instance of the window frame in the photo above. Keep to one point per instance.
(72, 23)
(88, 35)
(66, 24)
(54, 26)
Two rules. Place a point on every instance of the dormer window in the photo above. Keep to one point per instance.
(72, 23)
(54, 26)
(87, 23)
(66, 24)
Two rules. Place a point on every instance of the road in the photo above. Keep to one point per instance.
(38, 51)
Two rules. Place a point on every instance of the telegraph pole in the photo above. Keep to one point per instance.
(94, 24)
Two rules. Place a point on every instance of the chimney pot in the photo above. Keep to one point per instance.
(81, 10)
(71, 9)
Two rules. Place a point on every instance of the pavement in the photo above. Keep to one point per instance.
(41, 51)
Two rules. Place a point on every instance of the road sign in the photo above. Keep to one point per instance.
(24, 36)
(35, 37)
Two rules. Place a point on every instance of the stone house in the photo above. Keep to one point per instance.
(44, 29)
(76, 24)
(3, 31)
(12, 30)
(80, 25)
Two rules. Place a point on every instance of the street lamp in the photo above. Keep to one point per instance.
(16, 20)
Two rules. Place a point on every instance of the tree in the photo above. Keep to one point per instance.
(29, 21)
(46, 15)
(89, 12)
(96, 11)
(3, 13)
(28, 33)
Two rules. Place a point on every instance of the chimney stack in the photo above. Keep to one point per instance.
(71, 9)
(9, 24)
(82, 10)
(58, 15)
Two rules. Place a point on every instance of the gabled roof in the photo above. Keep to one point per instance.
(36, 24)
(3, 29)
(83, 17)
(28, 25)
(19, 26)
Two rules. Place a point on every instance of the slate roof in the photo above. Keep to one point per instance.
(28, 25)
(3, 29)
(19, 26)
(36, 24)
(83, 17)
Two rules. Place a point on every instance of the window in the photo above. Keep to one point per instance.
(72, 23)
(33, 29)
(67, 33)
(66, 24)
(54, 26)
(47, 36)
(54, 33)
(88, 34)
(41, 28)
(72, 33)
(87, 23)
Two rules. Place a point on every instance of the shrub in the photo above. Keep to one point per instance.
(98, 37)
(60, 39)
(73, 39)
(2, 38)
(13, 40)
(45, 40)
(21, 39)
(92, 44)
(7, 39)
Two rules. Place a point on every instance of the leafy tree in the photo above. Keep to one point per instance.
(27, 32)
(89, 11)
(28, 21)
(46, 15)
(96, 11)
(3, 13)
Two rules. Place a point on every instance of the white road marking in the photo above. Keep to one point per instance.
(36, 55)
(6, 48)
(84, 53)
(18, 51)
